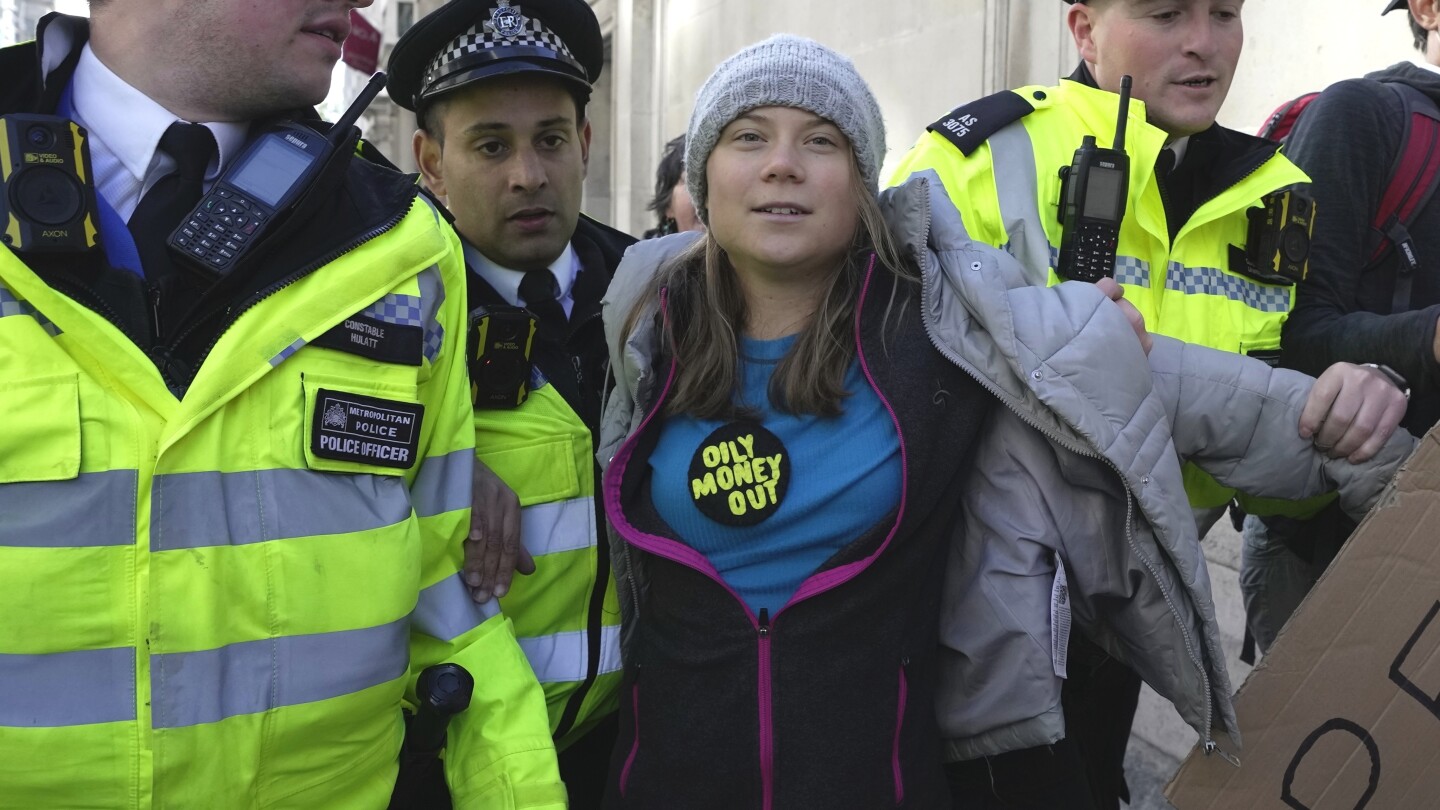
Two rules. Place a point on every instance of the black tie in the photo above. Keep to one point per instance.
(541, 293)
(1164, 163)
(172, 197)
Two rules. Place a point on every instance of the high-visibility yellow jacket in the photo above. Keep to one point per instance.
(201, 608)
(542, 450)
(1008, 191)
(566, 614)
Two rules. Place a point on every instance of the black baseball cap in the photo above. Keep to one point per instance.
(1392, 5)
(465, 41)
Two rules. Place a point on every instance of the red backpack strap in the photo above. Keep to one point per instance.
(1414, 177)
(1280, 122)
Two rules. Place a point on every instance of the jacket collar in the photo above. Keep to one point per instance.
(1216, 158)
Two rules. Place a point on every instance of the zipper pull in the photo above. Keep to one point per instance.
(764, 628)
(155, 312)
(579, 373)
(1212, 748)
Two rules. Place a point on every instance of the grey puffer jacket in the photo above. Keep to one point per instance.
(1079, 471)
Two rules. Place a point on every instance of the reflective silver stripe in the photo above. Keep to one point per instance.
(11, 306)
(289, 350)
(1213, 281)
(191, 688)
(199, 510)
(1013, 164)
(443, 483)
(549, 528)
(67, 689)
(432, 295)
(446, 611)
(88, 511)
(562, 657)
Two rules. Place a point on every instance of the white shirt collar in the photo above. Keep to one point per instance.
(126, 126)
(507, 281)
(1178, 146)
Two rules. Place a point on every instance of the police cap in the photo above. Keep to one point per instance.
(467, 40)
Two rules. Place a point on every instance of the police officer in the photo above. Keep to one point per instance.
(500, 92)
(231, 502)
(1180, 261)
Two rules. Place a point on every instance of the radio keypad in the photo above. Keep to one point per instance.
(219, 230)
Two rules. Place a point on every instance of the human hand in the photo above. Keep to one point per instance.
(1351, 412)
(493, 551)
(1116, 293)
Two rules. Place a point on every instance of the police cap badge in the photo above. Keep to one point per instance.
(465, 41)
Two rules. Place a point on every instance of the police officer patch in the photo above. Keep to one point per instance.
(366, 430)
(739, 474)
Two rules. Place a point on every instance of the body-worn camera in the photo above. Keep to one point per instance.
(501, 338)
(1277, 249)
(47, 197)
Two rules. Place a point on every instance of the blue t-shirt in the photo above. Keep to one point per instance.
(768, 501)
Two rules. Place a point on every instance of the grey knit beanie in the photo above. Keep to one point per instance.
(784, 71)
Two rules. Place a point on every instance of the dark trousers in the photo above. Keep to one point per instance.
(1099, 699)
(1047, 777)
(585, 765)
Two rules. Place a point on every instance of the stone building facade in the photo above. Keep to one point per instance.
(922, 57)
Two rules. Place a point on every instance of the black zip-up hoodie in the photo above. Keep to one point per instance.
(829, 702)
(1347, 141)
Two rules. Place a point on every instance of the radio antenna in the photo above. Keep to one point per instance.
(1124, 113)
(341, 130)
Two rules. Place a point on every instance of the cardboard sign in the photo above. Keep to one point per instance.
(1344, 711)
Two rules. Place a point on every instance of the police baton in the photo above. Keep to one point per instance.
(442, 692)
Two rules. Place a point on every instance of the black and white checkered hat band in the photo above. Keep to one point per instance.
(478, 39)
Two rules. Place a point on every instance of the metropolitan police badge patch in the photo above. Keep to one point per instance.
(365, 430)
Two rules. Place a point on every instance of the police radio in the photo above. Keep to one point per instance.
(501, 338)
(47, 197)
(260, 188)
(1093, 191)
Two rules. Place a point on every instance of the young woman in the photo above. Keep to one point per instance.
(810, 424)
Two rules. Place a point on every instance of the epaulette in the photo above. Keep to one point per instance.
(972, 124)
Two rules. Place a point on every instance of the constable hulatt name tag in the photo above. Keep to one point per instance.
(377, 340)
(366, 430)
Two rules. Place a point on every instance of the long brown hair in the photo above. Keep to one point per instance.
(707, 310)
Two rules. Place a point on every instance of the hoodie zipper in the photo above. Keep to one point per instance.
(817, 584)
(767, 718)
(927, 293)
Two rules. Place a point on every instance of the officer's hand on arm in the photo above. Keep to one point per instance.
(493, 552)
(1351, 411)
(1116, 293)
